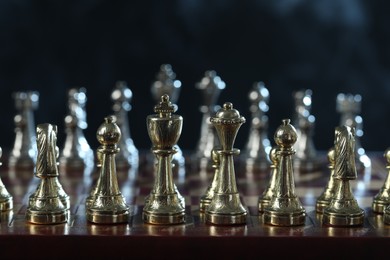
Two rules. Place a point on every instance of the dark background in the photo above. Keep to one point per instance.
(330, 46)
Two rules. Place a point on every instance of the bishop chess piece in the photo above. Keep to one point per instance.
(343, 209)
(285, 209)
(107, 205)
(205, 200)
(349, 106)
(225, 207)
(163, 205)
(24, 152)
(76, 153)
(382, 198)
(258, 145)
(128, 155)
(49, 204)
(6, 200)
(327, 195)
(265, 198)
(211, 86)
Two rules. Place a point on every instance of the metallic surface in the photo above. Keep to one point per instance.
(382, 198)
(226, 207)
(6, 200)
(266, 196)
(327, 195)
(205, 200)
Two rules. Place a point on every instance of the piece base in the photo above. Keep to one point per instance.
(332, 219)
(105, 217)
(263, 203)
(204, 203)
(224, 219)
(379, 207)
(47, 218)
(321, 205)
(286, 219)
(164, 219)
(6, 204)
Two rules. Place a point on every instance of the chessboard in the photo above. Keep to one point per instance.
(195, 238)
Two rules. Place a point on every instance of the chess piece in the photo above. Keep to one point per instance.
(167, 83)
(325, 198)
(6, 200)
(24, 152)
(225, 207)
(211, 86)
(265, 198)
(285, 209)
(92, 193)
(49, 204)
(343, 209)
(306, 155)
(128, 155)
(163, 205)
(108, 206)
(382, 198)
(349, 106)
(205, 200)
(76, 153)
(258, 145)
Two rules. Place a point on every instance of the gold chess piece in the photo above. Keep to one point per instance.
(265, 198)
(6, 201)
(92, 193)
(163, 205)
(325, 198)
(205, 200)
(49, 204)
(225, 207)
(382, 199)
(343, 209)
(285, 209)
(108, 206)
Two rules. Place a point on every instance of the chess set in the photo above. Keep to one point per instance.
(120, 201)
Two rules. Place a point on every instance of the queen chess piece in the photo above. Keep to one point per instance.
(327, 195)
(382, 198)
(6, 200)
(266, 196)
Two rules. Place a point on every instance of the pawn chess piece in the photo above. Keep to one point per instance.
(211, 86)
(382, 198)
(49, 204)
(23, 154)
(205, 200)
(343, 209)
(265, 198)
(225, 207)
(163, 205)
(108, 206)
(258, 145)
(128, 155)
(285, 209)
(76, 153)
(6, 200)
(327, 195)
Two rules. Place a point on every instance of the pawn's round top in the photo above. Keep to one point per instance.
(286, 135)
(273, 156)
(331, 156)
(165, 107)
(108, 133)
(387, 156)
(228, 115)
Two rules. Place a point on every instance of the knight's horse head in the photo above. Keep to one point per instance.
(47, 150)
(344, 145)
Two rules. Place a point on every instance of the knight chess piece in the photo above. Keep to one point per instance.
(266, 196)
(225, 207)
(128, 155)
(258, 145)
(382, 198)
(76, 153)
(108, 206)
(327, 195)
(49, 204)
(163, 205)
(23, 154)
(6, 200)
(343, 209)
(211, 86)
(205, 200)
(285, 209)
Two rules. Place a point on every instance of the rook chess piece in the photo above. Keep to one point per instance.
(327, 195)
(382, 198)
(343, 209)
(208, 196)
(266, 197)
(285, 209)
(6, 201)
(225, 207)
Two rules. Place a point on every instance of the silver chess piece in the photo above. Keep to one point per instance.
(330, 190)
(382, 199)
(24, 152)
(128, 155)
(6, 200)
(76, 153)
(258, 145)
(266, 196)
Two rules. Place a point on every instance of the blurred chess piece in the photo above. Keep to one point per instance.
(128, 155)
(167, 83)
(285, 208)
(211, 86)
(205, 200)
(327, 195)
(6, 200)
(382, 198)
(225, 207)
(24, 152)
(266, 196)
(349, 106)
(76, 153)
(306, 155)
(107, 206)
(258, 145)
(343, 210)
(163, 204)
(49, 204)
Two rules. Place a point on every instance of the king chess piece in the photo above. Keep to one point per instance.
(225, 207)
(258, 145)
(24, 152)
(285, 209)
(163, 205)
(6, 200)
(76, 153)
(330, 190)
(128, 155)
(382, 198)
(265, 198)
(343, 209)
(49, 204)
